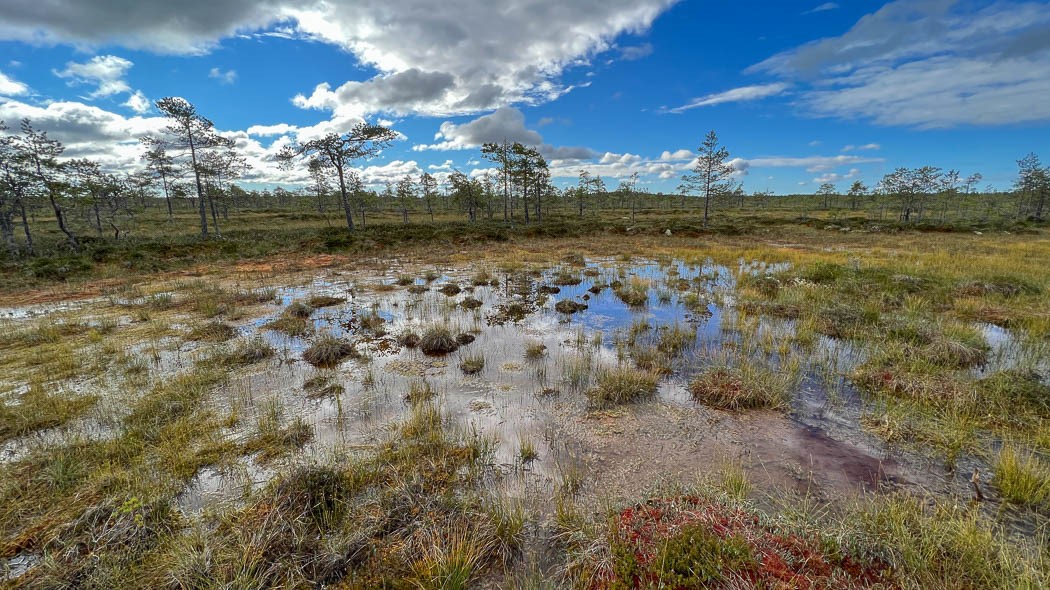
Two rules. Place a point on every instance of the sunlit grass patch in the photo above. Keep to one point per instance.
(740, 388)
(38, 408)
(634, 293)
(622, 385)
(1022, 477)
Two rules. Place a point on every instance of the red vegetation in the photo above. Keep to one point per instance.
(759, 556)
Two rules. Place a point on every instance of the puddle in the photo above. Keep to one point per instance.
(516, 400)
(536, 401)
(18, 565)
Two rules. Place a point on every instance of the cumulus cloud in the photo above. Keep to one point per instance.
(112, 140)
(929, 64)
(11, 87)
(742, 94)
(227, 77)
(505, 124)
(270, 130)
(88, 131)
(496, 53)
(137, 102)
(185, 27)
(671, 165)
(104, 72)
(492, 54)
(401, 93)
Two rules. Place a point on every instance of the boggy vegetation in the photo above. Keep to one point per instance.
(115, 411)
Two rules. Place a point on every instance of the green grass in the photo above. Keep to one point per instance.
(740, 388)
(622, 385)
(1022, 477)
(415, 510)
(527, 452)
(472, 364)
(247, 352)
(438, 340)
(39, 409)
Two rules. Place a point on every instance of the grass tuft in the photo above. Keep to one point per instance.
(328, 351)
(623, 385)
(212, 332)
(438, 340)
(473, 364)
(739, 389)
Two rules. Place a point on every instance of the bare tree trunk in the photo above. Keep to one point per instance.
(7, 233)
(25, 227)
(214, 214)
(98, 218)
(346, 201)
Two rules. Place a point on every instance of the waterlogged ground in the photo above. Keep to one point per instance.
(530, 394)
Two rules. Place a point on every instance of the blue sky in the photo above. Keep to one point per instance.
(800, 92)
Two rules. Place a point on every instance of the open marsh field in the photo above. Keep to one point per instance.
(817, 409)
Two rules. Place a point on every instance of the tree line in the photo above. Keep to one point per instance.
(191, 165)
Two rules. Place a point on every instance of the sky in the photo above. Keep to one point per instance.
(800, 92)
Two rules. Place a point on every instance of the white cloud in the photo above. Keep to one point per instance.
(227, 77)
(138, 102)
(682, 154)
(394, 171)
(636, 52)
(505, 124)
(404, 92)
(810, 163)
(823, 8)
(834, 177)
(104, 72)
(742, 94)
(269, 130)
(491, 53)
(184, 27)
(929, 64)
(112, 139)
(88, 131)
(11, 87)
(861, 148)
